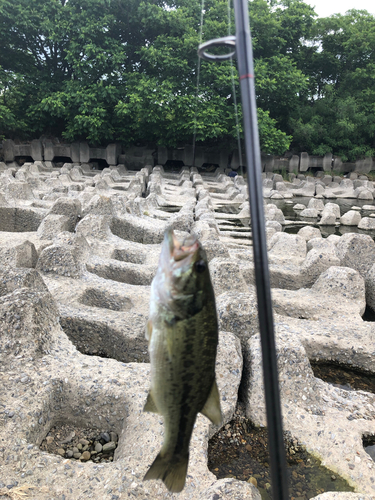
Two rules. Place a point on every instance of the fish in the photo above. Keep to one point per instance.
(182, 334)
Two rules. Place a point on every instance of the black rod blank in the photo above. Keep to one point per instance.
(254, 179)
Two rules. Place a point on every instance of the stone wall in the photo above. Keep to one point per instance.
(138, 157)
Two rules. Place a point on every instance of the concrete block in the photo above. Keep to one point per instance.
(36, 150)
(84, 152)
(304, 162)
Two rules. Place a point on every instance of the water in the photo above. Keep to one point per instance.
(344, 376)
(345, 205)
(244, 456)
(349, 379)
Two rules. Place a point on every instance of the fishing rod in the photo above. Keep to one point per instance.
(241, 46)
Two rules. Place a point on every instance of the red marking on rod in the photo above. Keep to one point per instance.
(249, 75)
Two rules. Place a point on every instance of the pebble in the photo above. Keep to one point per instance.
(86, 455)
(109, 446)
(105, 436)
(253, 481)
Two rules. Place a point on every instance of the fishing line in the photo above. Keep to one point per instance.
(234, 95)
(245, 65)
(197, 90)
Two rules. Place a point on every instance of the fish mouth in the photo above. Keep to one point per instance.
(181, 250)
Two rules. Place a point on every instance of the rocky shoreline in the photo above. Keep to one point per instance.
(79, 249)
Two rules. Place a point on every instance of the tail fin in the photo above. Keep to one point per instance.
(171, 469)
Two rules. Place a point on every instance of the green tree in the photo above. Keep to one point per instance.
(339, 113)
(104, 70)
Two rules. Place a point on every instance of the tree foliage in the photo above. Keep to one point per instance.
(126, 70)
(338, 115)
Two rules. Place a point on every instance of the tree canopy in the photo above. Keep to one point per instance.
(126, 70)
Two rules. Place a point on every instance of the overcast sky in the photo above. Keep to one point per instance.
(325, 8)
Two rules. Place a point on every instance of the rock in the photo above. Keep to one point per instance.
(53, 224)
(334, 238)
(245, 212)
(109, 446)
(308, 232)
(299, 206)
(268, 183)
(295, 374)
(346, 184)
(344, 282)
(271, 212)
(367, 223)
(370, 287)
(86, 455)
(105, 436)
(253, 481)
(332, 208)
(74, 358)
(356, 251)
(328, 219)
(61, 260)
(274, 225)
(70, 208)
(22, 255)
(365, 194)
(316, 203)
(226, 276)
(351, 218)
(322, 244)
(280, 186)
(238, 313)
(316, 262)
(276, 196)
(94, 226)
(132, 228)
(309, 213)
(27, 309)
(61, 452)
(286, 245)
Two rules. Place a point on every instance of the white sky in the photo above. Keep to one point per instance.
(325, 8)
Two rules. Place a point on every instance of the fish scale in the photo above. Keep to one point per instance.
(183, 335)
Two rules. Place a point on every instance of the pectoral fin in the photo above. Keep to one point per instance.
(150, 404)
(148, 330)
(211, 409)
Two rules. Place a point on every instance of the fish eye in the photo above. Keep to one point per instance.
(200, 266)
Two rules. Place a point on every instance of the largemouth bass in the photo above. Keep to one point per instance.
(182, 331)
